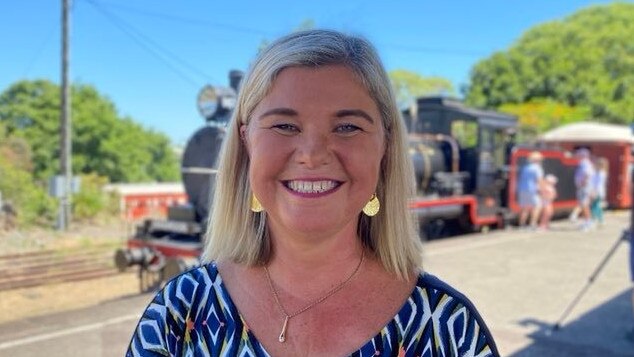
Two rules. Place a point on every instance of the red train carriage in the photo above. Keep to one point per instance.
(147, 200)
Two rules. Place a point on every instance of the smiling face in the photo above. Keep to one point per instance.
(315, 146)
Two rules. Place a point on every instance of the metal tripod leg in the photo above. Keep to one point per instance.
(624, 236)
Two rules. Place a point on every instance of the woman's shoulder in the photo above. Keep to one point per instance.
(194, 300)
(430, 283)
(436, 290)
(201, 273)
(435, 302)
(204, 274)
(191, 285)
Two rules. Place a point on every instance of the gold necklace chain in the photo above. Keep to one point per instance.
(330, 293)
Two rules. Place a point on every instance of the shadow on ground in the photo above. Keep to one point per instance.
(599, 332)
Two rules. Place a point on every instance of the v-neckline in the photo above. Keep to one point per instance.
(408, 302)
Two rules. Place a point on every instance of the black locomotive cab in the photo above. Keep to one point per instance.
(459, 151)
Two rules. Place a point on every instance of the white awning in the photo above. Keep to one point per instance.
(589, 132)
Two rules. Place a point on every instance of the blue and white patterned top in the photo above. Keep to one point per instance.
(195, 316)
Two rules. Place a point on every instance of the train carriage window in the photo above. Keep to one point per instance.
(494, 141)
(486, 139)
(500, 143)
(465, 132)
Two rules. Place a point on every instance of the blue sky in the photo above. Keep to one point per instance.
(152, 57)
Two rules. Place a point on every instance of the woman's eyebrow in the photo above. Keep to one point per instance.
(279, 111)
(354, 112)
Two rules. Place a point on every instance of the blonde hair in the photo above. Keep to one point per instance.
(238, 234)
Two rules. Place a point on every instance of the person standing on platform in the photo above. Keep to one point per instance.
(583, 182)
(599, 183)
(548, 194)
(530, 179)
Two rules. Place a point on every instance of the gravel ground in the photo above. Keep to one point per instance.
(22, 303)
(79, 235)
(42, 300)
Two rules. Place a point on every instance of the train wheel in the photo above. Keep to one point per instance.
(433, 229)
(466, 226)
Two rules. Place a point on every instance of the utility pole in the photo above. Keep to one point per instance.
(65, 126)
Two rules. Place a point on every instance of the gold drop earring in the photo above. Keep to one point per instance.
(372, 207)
(256, 206)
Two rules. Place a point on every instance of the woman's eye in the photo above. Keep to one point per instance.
(285, 128)
(347, 128)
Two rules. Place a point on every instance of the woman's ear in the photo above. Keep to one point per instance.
(243, 136)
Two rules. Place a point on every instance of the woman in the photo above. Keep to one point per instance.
(312, 250)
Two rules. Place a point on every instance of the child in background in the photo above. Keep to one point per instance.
(548, 193)
(599, 182)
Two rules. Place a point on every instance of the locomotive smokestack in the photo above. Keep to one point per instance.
(235, 77)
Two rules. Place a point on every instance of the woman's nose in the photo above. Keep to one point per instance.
(313, 150)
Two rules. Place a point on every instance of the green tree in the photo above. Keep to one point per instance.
(103, 142)
(409, 85)
(15, 151)
(586, 60)
(91, 202)
(30, 200)
(539, 115)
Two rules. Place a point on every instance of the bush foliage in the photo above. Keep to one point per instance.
(26, 196)
(106, 148)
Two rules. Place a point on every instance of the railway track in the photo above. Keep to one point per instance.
(55, 266)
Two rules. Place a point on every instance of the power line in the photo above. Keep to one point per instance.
(192, 21)
(153, 47)
(36, 56)
(47, 40)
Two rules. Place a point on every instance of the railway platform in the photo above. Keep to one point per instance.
(523, 281)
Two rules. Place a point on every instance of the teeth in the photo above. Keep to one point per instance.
(311, 186)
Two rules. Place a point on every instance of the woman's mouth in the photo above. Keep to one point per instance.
(314, 187)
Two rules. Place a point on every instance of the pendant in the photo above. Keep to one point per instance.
(282, 337)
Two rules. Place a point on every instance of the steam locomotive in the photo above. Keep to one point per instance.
(465, 162)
